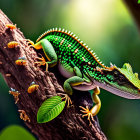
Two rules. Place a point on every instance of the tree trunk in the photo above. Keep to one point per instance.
(69, 125)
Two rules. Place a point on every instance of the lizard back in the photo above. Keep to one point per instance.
(73, 51)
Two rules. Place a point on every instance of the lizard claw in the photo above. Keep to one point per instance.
(87, 113)
(67, 99)
(42, 62)
(30, 43)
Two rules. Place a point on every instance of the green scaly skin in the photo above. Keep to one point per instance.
(84, 70)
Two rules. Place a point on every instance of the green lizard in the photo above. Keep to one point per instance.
(84, 70)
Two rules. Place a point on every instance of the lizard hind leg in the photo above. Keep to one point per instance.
(95, 109)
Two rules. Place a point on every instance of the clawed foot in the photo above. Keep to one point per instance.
(42, 62)
(30, 43)
(67, 99)
(87, 113)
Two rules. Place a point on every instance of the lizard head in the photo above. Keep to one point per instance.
(122, 81)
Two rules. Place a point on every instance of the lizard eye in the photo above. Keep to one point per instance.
(121, 78)
(115, 73)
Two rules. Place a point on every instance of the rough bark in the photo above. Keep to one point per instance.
(134, 9)
(69, 125)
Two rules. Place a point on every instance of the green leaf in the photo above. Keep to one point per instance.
(138, 1)
(50, 109)
(15, 132)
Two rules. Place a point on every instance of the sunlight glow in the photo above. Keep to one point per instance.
(97, 16)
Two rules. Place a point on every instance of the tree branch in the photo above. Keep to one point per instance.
(68, 125)
(134, 8)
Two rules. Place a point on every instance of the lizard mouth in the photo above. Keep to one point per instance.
(85, 86)
(117, 91)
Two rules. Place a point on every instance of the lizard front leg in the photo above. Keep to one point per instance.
(95, 109)
(48, 51)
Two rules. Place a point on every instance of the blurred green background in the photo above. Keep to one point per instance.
(107, 27)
